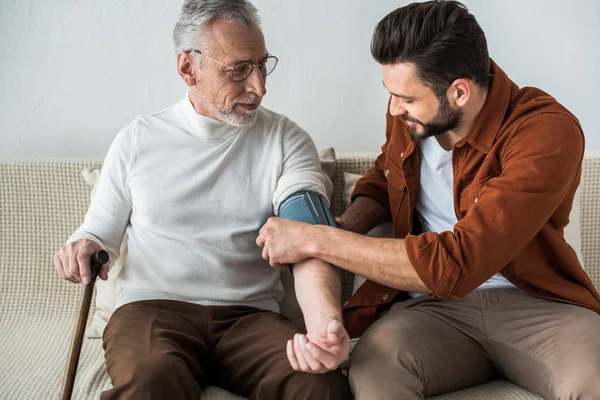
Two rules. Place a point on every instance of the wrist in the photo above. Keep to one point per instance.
(316, 247)
(312, 321)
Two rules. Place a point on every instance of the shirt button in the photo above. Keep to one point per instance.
(385, 297)
(401, 154)
(346, 303)
(386, 173)
(475, 201)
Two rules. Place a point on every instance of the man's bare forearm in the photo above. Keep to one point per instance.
(384, 261)
(363, 215)
(318, 291)
(381, 260)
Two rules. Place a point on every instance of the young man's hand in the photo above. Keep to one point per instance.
(285, 241)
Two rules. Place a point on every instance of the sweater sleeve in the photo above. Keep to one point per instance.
(110, 209)
(301, 168)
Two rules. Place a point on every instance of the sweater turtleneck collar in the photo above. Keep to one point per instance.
(203, 127)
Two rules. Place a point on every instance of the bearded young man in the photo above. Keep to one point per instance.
(478, 177)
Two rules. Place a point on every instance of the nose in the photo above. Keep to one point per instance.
(255, 83)
(397, 107)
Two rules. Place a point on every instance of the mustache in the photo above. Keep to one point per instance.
(249, 101)
(411, 119)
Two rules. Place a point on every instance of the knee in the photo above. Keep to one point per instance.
(333, 383)
(384, 348)
(148, 371)
(303, 385)
(386, 341)
(581, 384)
(308, 380)
(160, 368)
(151, 377)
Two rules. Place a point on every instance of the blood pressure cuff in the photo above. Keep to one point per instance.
(309, 207)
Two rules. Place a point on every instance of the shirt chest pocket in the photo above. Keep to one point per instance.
(469, 196)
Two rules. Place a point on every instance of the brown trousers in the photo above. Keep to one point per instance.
(163, 349)
(425, 347)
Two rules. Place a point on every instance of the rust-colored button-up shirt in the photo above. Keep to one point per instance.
(515, 177)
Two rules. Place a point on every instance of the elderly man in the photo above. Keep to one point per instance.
(478, 177)
(191, 186)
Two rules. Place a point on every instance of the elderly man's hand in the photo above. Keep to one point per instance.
(285, 241)
(321, 350)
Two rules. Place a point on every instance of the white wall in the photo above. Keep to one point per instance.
(74, 72)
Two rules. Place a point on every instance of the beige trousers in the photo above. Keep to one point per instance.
(425, 347)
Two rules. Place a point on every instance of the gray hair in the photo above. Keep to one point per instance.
(196, 13)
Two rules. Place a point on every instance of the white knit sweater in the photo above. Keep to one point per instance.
(192, 194)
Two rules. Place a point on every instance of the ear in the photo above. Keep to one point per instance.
(460, 91)
(185, 68)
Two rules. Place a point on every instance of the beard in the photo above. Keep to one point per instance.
(228, 114)
(446, 119)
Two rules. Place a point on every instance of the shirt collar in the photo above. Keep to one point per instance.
(493, 113)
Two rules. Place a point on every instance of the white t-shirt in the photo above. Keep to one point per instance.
(435, 200)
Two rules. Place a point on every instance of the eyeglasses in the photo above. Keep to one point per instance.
(243, 69)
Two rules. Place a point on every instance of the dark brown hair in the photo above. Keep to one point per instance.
(442, 38)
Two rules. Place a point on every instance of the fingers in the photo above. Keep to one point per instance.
(328, 345)
(265, 256)
(299, 351)
(303, 357)
(326, 334)
(85, 270)
(103, 274)
(58, 264)
(331, 334)
(275, 264)
(281, 267)
(72, 265)
(66, 270)
(291, 355)
(267, 226)
(328, 360)
(72, 261)
(314, 365)
(266, 230)
(340, 222)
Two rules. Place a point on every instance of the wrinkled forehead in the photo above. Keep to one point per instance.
(232, 42)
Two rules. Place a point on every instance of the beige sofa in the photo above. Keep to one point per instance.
(42, 202)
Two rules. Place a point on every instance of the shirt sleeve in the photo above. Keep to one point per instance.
(108, 215)
(541, 165)
(301, 169)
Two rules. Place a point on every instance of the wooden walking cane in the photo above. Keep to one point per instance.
(96, 262)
